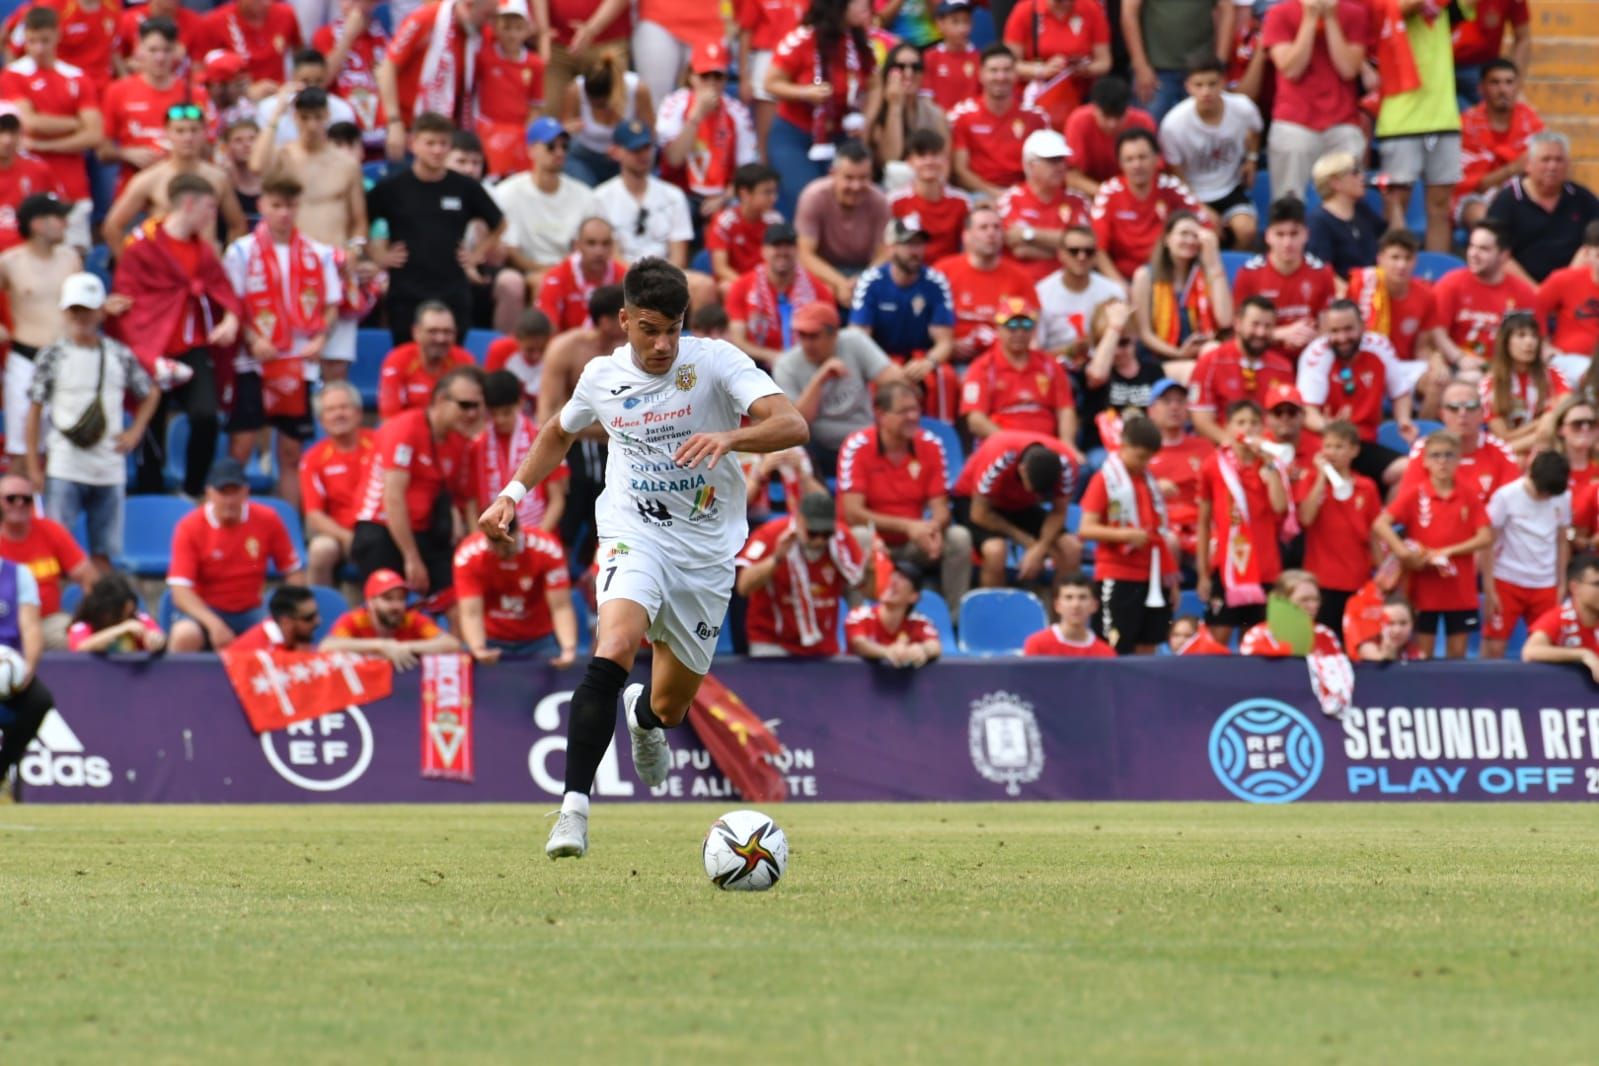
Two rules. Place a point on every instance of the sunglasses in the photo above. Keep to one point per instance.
(1580, 423)
(643, 220)
(1019, 323)
(912, 66)
(18, 500)
(1460, 408)
(184, 111)
(466, 405)
(718, 75)
(1285, 411)
(314, 616)
(1079, 253)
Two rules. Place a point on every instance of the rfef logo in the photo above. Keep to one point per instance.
(1265, 751)
(322, 754)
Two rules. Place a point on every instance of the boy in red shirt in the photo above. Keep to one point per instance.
(59, 105)
(940, 207)
(1242, 499)
(1337, 510)
(1445, 527)
(1400, 306)
(1125, 512)
(1015, 386)
(891, 631)
(516, 597)
(1570, 632)
(737, 233)
(1298, 285)
(951, 74)
(384, 626)
(1070, 637)
(510, 89)
(1177, 464)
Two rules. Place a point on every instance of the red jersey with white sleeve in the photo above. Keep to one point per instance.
(866, 621)
(950, 76)
(1299, 295)
(1484, 149)
(993, 142)
(1025, 397)
(753, 300)
(405, 381)
(1569, 297)
(263, 636)
(1401, 319)
(564, 293)
(405, 442)
(63, 90)
(1054, 643)
(25, 176)
(226, 565)
(1224, 375)
(187, 21)
(1526, 399)
(941, 219)
(508, 87)
(331, 478)
(741, 238)
(1354, 388)
(798, 608)
(135, 112)
(1483, 469)
(848, 73)
(264, 45)
(724, 140)
(357, 80)
(994, 471)
(1260, 641)
(1338, 542)
(767, 21)
(87, 35)
(514, 591)
(977, 296)
(1440, 520)
(1565, 628)
(1127, 225)
(898, 487)
(1470, 309)
(358, 624)
(1021, 206)
(494, 456)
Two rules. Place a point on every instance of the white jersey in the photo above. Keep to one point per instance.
(693, 515)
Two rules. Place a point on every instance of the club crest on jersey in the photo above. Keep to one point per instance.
(686, 378)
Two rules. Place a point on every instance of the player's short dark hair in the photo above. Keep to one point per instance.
(502, 389)
(996, 50)
(1550, 473)
(889, 392)
(1259, 303)
(925, 141)
(1285, 209)
(432, 122)
(1040, 469)
(1500, 63)
(1580, 565)
(184, 186)
(852, 151)
(1399, 238)
(605, 302)
(282, 185)
(532, 323)
(41, 18)
(1206, 63)
(1500, 233)
(466, 141)
(287, 601)
(430, 307)
(1111, 94)
(709, 319)
(1343, 429)
(1131, 136)
(653, 284)
(1244, 405)
(750, 175)
(161, 26)
(474, 374)
(1139, 432)
(344, 133)
(310, 57)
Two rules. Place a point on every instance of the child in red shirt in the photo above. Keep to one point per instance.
(1242, 498)
(1125, 512)
(1070, 637)
(1445, 527)
(1337, 509)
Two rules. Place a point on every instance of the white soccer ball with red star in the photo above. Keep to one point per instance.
(745, 851)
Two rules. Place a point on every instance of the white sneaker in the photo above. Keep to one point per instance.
(570, 837)
(652, 755)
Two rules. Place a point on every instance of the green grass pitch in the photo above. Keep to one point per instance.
(1013, 934)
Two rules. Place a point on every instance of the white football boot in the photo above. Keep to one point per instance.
(570, 837)
(652, 755)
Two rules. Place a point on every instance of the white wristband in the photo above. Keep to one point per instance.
(515, 490)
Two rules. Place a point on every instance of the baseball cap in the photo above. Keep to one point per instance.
(1163, 386)
(222, 65)
(509, 7)
(709, 56)
(1045, 144)
(1283, 393)
(902, 230)
(779, 233)
(949, 7)
(226, 473)
(382, 581)
(82, 290)
(819, 512)
(814, 317)
(545, 130)
(632, 135)
(1014, 307)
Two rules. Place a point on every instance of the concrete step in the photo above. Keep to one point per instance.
(1586, 172)
(1563, 57)
(1556, 99)
(1565, 18)
(1584, 134)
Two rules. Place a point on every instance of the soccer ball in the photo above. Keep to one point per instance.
(745, 851)
(13, 668)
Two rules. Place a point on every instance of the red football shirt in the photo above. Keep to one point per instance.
(564, 293)
(1563, 626)
(405, 382)
(265, 46)
(1404, 319)
(188, 23)
(1484, 469)
(1570, 298)
(768, 21)
(87, 37)
(358, 624)
(1094, 150)
(1128, 227)
(507, 88)
(943, 219)
(25, 176)
(1263, 521)
(1178, 465)
(798, 608)
(1026, 397)
(227, 565)
(357, 82)
(977, 296)
(1299, 296)
(1035, 29)
(739, 237)
(1052, 642)
(950, 77)
(1320, 98)
(1222, 377)
(1470, 310)
(1353, 388)
(135, 112)
(331, 480)
(1436, 520)
(1021, 206)
(515, 591)
(751, 301)
(899, 487)
(993, 142)
(1122, 562)
(405, 442)
(50, 554)
(867, 621)
(1484, 149)
(795, 55)
(1338, 542)
(1482, 37)
(994, 471)
(64, 90)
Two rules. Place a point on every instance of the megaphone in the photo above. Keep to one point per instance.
(1342, 487)
(1155, 597)
(1281, 454)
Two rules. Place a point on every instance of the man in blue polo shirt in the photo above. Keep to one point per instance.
(906, 307)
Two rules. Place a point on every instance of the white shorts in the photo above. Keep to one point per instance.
(19, 376)
(760, 63)
(686, 607)
(341, 340)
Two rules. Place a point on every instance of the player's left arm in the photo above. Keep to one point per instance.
(775, 424)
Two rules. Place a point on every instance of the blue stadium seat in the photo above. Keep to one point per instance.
(1388, 434)
(71, 596)
(330, 604)
(701, 261)
(147, 533)
(375, 172)
(1433, 265)
(371, 346)
(164, 612)
(477, 342)
(954, 454)
(1190, 603)
(291, 519)
(98, 263)
(177, 444)
(724, 639)
(998, 621)
(931, 604)
(1260, 195)
(1074, 517)
(1234, 262)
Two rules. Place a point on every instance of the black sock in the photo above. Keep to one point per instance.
(593, 722)
(643, 712)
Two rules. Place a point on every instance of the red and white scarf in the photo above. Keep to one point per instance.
(582, 288)
(278, 312)
(766, 321)
(1121, 492)
(845, 553)
(1240, 561)
(531, 510)
(436, 88)
(827, 118)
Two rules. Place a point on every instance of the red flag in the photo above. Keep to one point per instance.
(447, 717)
(738, 742)
(278, 688)
(1396, 63)
(1363, 617)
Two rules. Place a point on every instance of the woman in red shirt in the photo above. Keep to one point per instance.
(1520, 388)
(1061, 46)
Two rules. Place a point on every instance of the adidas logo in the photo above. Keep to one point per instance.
(56, 758)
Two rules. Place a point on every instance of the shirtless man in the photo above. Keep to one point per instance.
(31, 274)
(146, 193)
(333, 206)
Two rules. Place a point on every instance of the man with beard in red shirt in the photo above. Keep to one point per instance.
(980, 281)
(1244, 368)
(564, 292)
(1297, 284)
(1015, 386)
(988, 130)
(1346, 373)
(1040, 210)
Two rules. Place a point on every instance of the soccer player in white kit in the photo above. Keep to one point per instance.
(670, 521)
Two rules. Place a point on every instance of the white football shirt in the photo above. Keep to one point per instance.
(695, 516)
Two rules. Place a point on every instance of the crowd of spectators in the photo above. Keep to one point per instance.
(1009, 261)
